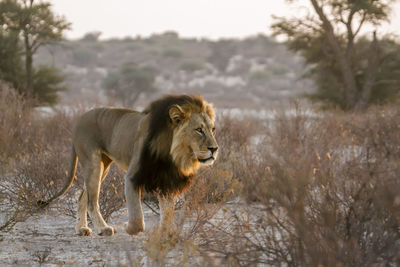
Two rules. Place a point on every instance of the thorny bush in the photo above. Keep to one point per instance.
(321, 191)
(35, 154)
(302, 189)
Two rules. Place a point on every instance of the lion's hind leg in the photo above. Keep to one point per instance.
(82, 227)
(95, 171)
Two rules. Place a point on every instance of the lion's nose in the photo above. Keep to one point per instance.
(213, 149)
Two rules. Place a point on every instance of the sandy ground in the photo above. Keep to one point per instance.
(49, 239)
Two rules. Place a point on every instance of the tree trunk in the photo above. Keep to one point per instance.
(370, 75)
(343, 59)
(28, 69)
(28, 66)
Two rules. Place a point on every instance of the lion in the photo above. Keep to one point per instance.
(161, 150)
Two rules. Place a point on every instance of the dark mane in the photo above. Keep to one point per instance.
(157, 172)
(159, 120)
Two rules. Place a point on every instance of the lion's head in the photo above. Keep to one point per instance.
(193, 139)
(181, 138)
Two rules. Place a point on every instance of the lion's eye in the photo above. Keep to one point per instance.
(199, 130)
(213, 130)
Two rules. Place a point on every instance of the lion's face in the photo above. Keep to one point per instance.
(193, 142)
(200, 135)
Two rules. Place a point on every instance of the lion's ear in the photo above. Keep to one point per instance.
(177, 114)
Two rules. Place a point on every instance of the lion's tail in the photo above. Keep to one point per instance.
(72, 172)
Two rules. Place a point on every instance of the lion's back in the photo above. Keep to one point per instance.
(101, 128)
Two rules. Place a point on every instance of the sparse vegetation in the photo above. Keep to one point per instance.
(214, 69)
(129, 82)
(299, 189)
(319, 191)
(35, 153)
(192, 65)
(291, 187)
(221, 52)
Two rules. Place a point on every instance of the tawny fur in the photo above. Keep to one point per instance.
(161, 149)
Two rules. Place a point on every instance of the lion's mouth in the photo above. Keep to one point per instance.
(206, 160)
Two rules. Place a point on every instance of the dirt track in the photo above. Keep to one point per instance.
(49, 239)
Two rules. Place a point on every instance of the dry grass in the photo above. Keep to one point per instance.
(314, 191)
(321, 191)
(14, 120)
(35, 155)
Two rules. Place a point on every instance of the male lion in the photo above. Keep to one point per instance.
(161, 148)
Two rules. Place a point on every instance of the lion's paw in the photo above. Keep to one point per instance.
(84, 231)
(106, 231)
(135, 227)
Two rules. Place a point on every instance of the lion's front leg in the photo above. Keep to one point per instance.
(167, 206)
(135, 213)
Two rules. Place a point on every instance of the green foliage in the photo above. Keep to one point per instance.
(129, 82)
(136, 76)
(47, 81)
(33, 19)
(32, 24)
(11, 63)
(351, 72)
(388, 77)
(329, 80)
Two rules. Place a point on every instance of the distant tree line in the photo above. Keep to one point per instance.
(351, 71)
(27, 25)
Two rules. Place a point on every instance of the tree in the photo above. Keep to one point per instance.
(329, 37)
(91, 36)
(36, 25)
(10, 56)
(129, 82)
(46, 83)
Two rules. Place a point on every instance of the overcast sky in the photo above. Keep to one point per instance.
(190, 18)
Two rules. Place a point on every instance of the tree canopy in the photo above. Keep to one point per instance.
(129, 82)
(351, 70)
(32, 25)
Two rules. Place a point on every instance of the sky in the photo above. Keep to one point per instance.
(190, 18)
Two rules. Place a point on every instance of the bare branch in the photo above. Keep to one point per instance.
(360, 24)
(345, 66)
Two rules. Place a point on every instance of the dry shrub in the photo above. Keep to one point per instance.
(35, 150)
(324, 191)
(111, 199)
(203, 205)
(178, 244)
(15, 116)
(234, 139)
(212, 189)
(37, 168)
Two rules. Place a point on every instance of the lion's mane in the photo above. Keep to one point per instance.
(157, 172)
